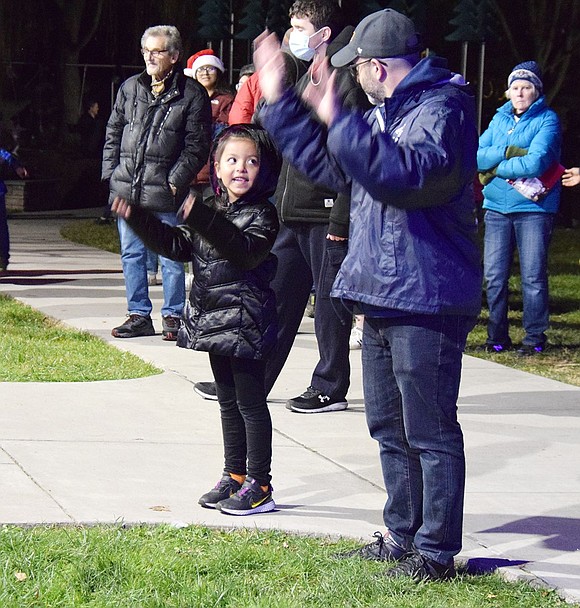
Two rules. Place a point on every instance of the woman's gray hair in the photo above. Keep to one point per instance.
(169, 32)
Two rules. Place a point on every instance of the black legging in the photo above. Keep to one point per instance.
(246, 422)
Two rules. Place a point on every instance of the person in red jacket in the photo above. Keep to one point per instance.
(246, 100)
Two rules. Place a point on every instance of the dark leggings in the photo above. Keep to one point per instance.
(246, 422)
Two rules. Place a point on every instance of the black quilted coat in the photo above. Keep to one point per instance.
(231, 310)
(152, 142)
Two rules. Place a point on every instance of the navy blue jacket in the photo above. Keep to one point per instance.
(412, 242)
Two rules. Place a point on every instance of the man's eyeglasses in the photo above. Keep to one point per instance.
(155, 53)
(208, 69)
(355, 66)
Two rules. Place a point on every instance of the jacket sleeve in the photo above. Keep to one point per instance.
(197, 138)
(338, 220)
(490, 152)
(8, 159)
(543, 151)
(303, 141)
(168, 241)
(246, 248)
(113, 135)
(434, 157)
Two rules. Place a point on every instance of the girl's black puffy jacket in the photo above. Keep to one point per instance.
(231, 309)
(153, 142)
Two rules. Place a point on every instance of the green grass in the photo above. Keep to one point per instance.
(34, 348)
(99, 236)
(560, 362)
(164, 567)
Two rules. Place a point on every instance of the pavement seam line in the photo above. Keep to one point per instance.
(43, 490)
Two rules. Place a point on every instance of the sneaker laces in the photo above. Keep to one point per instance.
(310, 392)
(380, 541)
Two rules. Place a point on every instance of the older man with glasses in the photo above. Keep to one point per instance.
(158, 138)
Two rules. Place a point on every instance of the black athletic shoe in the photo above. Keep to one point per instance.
(420, 568)
(134, 327)
(170, 328)
(313, 401)
(250, 498)
(527, 350)
(384, 549)
(206, 390)
(224, 488)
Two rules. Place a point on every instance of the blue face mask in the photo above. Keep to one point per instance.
(299, 44)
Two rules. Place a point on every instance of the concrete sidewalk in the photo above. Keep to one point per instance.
(145, 450)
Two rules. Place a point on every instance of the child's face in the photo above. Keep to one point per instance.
(238, 167)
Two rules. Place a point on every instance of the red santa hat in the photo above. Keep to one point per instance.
(201, 58)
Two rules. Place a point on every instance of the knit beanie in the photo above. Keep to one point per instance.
(201, 58)
(530, 71)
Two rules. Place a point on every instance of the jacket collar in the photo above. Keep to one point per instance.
(533, 110)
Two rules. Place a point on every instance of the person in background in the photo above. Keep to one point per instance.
(158, 138)
(208, 70)
(522, 141)
(249, 94)
(231, 310)
(409, 165)
(7, 158)
(245, 72)
(91, 128)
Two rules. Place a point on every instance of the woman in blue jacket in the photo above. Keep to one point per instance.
(522, 141)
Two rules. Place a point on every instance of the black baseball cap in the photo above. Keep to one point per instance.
(386, 33)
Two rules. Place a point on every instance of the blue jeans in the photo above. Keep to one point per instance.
(531, 233)
(152, 262)
(411, 375)
(134, 261)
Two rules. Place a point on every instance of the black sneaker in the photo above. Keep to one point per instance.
(250, 498)
(384, 549)
(134, 327)
(313, 401)
(527, 350)
(224, 488)
(3, 264)
(420, 568)
(170, 328)
(206, 390)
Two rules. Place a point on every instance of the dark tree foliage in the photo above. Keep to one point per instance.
(56, 52)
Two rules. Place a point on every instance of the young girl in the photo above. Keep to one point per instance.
(231, 311)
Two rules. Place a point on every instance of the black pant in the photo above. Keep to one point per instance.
(246, 422)
(307, 259)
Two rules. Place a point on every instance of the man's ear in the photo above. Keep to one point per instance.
(326, 33)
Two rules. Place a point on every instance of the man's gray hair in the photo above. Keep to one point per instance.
(169, 32)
